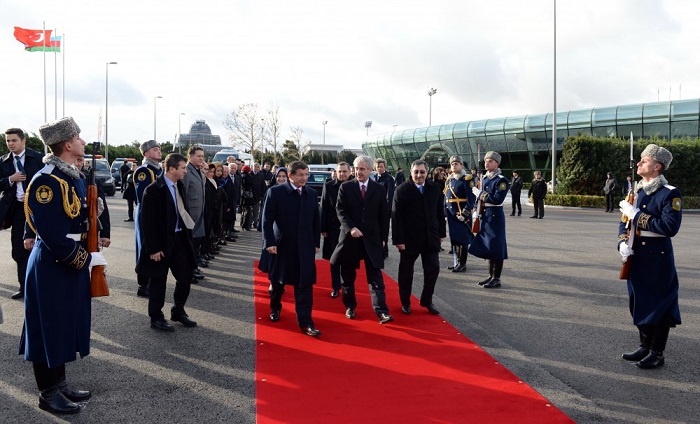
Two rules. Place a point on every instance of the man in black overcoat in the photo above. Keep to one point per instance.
(167, 244)
(364, 230)
(418, 228)
(17, 168)
(291, 227)
(330, 225)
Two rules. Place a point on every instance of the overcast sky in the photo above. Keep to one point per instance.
(342, 62)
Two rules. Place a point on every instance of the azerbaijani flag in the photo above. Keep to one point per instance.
(38, 40)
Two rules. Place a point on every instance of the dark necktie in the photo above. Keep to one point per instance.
(420, 188)
(21, 169)
(363, 191)
(299, 191)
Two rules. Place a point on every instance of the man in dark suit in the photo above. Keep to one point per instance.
(17, 168)
(291, 227)
(384, 178)
(166, 244)
(235, 175)
(418, 228)
(123, 170)
(330, 225)
(364, 220)
(259, 188)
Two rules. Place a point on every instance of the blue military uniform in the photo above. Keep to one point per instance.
(144, 176)
(490, 242)
(459, 202)
(57, 296)
(652, 283)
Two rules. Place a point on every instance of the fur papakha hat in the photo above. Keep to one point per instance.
(57, 131)
(659, 154)
(456, 158)
(493, 155)
(148, 145)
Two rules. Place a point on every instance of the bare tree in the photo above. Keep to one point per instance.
(247, 128)
(273, 130)
(300, 145)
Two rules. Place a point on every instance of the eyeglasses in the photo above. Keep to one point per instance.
(417, 172)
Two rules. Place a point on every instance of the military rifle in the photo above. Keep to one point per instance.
(479, 205)
(627, 263)
(98, 278)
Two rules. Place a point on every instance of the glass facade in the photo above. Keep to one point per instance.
(525, 142)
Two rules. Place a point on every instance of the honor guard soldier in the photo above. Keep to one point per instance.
(655, 216)
(459, 201)
(490, 242)
(144, 176)
(57, 292)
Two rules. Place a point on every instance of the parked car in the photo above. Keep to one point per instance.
(115, 170)
(316, 181)
(103, 175)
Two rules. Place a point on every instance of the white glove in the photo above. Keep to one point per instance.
(475, 215)
(100, 207)
(625, 251)
(628, 210)
(96, 258)
(476, 191)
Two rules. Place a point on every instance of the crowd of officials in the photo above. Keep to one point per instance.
(184, 210)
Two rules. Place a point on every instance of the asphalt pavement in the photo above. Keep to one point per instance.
(560, 322)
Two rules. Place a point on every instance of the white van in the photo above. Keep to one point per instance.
(326, 167)
(222, 155)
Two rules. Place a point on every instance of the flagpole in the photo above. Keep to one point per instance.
(44, 53)
(55, 81)
(63, 74)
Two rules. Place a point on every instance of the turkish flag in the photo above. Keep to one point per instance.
(33, 37)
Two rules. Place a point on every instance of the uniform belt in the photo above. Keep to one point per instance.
(491, 205)
(650, 234)
(456, 200)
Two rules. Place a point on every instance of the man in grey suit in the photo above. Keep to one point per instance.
(194, 198)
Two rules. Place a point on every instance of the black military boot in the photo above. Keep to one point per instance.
(462, 264)
(70, 394)
(644, 345)
(652, 360)
(50, 398)
(655, 358)
(486, 281)
(496, 280)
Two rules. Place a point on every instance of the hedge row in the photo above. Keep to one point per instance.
(584, 201)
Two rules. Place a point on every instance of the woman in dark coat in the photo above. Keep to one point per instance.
(279, 179)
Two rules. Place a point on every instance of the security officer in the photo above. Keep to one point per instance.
(459, 202)
(653, 282)
(57, 292)
(490, 242)
(144, 176)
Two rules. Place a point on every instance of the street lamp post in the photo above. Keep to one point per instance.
(179, 131)
(107, 106)
(324, 132)
(155, 116)
(368, 125)
(431, 92)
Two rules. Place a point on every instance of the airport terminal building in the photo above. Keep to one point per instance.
(525, 142)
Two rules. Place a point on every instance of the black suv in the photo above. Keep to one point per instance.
(103, 175)
(316, 181)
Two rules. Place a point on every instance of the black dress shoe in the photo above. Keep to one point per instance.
(184, 320)
(54, 401)
(73, 395)
(513, 214)
(495, 282)
(129, 220)
(432, 309)
(162, 325)
(534, 217)
(311, 331)
(350, 313)
(406, 309)
(221, 242)
(451, 267)
(198, 275)
(384, 318)
(652, 360)
(459, 268)
(18, 295)
(234, 230)
(335, 293)
(543, 217)
(203, 264)
(275, 316)
(142, 292)
(486, 281)
(637, 355)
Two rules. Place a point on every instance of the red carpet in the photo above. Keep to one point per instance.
(417, 369)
